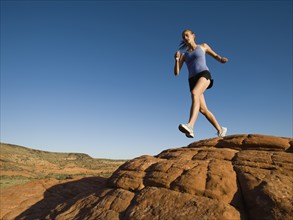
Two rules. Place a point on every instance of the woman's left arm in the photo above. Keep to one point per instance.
(212, 53)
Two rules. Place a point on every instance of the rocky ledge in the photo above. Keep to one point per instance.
(236, 177)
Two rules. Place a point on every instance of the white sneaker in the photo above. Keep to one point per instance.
(187, 130)
(223, 132)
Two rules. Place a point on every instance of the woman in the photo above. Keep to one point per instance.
(199, 80)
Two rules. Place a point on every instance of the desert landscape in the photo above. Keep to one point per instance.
(27, 173)
(245, 176)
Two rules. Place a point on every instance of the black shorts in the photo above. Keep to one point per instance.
(193, 80)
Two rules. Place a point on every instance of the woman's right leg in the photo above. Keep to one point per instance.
(196, 93)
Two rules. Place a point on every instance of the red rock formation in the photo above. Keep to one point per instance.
(236, 177)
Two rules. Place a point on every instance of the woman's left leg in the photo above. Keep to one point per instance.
(209, 115)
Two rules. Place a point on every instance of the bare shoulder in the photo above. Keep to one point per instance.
(205, 46)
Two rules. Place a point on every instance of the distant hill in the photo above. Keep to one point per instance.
(21, 164)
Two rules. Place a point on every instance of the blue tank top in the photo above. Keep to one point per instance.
(196, 61)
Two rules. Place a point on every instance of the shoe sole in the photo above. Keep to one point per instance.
(184, 130)
(189, 136)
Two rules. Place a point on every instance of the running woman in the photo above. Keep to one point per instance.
(199, 80)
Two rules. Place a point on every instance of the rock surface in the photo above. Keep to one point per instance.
(236, 177)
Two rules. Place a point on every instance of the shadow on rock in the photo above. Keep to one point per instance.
(61, 197)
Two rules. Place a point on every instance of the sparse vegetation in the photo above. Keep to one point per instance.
(20, 165)
(59, 176)
(7, 181)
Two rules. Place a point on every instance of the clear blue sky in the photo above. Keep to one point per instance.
(96, 77)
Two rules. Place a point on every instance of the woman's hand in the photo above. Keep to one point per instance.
(224, 60)
(179, 59)
(177, 55)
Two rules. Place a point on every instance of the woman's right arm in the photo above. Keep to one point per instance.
(179, 60)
